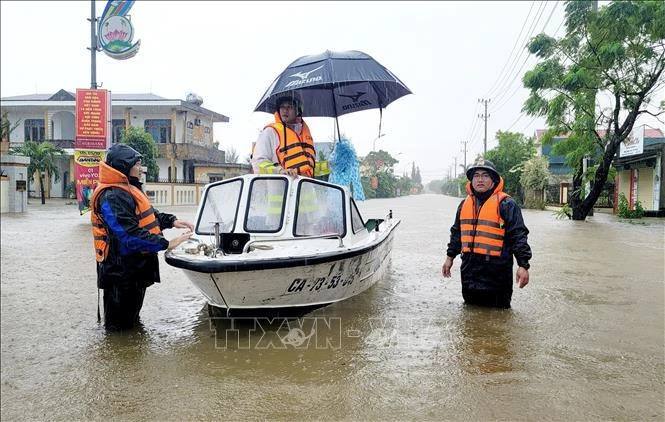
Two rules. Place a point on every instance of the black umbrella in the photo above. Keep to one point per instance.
(332, 84)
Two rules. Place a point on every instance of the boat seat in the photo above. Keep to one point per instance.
(373, 224)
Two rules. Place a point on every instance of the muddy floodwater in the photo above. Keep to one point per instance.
(583, 341)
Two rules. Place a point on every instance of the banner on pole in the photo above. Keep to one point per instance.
(87, 175)
(92, 117)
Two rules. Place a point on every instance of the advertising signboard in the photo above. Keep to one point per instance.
(87, 175)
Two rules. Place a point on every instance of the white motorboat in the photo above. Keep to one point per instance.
(279, 242)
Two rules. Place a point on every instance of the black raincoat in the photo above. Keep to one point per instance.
(489, 280)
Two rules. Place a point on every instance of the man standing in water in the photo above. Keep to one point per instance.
(488, 231)
(127, 234)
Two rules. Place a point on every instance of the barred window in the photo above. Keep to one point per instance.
(34, 130)
(160, 129)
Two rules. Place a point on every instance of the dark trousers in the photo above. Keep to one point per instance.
(122, 305)
(486, 297)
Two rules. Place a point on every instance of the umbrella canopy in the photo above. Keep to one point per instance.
(332, 84)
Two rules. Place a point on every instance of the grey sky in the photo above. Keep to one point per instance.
(448, 53)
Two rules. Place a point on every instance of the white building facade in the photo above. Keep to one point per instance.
(183, 131)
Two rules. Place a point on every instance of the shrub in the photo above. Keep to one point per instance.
(626, 212)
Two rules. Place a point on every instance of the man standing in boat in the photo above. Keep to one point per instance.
(285, 146)
(127, 233)
(488, 231)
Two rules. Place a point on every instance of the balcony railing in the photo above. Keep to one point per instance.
(60, 143)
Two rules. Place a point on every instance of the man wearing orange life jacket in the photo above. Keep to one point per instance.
(488, 231)
(285, 146)
(127, 233)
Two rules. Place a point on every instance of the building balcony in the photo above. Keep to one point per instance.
(60, 143)
(190, 152)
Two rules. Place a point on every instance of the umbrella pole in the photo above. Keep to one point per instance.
(339, 135)
(332, 93)
(380, 120)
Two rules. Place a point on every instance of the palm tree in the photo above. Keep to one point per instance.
(42, 160)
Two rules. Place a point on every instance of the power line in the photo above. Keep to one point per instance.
(515, 60)
(522, 114)
(524, 63)
(511, 51)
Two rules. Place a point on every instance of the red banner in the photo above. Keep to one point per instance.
(92, 118)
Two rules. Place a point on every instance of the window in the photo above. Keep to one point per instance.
(356, 220)
(117, 126)
(220, 206)
(320, 210)
(160, 129)
(34, 130)
(215, 177)
(266, 205)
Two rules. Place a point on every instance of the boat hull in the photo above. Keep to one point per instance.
(296, 282)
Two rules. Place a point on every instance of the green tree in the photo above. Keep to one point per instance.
(379, 164)
(42, 162)
(454, 187)
(513, 150)
(142, 142)
(7, 126)
(404, 185)
(534, 177)
(617, 50)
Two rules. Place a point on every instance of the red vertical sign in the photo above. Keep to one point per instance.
(91, 118)
(93, 107)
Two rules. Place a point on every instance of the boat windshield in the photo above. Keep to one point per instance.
(320, 210)
(265, 208)
(220, 205)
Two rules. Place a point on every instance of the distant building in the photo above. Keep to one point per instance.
(638, 177)
(182, 130)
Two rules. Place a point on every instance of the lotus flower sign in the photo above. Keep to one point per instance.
(115, 32)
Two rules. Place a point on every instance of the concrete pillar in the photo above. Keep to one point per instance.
(15, 168)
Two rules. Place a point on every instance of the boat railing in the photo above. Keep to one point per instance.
(320, 236)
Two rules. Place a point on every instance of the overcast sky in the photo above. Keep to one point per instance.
(449, 54)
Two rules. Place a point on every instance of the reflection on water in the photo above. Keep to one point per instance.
(583, 341)
(485, 340)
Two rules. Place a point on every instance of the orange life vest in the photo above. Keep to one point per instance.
(110, 177)
(483, 232)
(295, 152)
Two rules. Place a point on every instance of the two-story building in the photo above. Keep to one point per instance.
(182, 129)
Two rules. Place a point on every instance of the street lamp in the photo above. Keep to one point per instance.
(376, 139)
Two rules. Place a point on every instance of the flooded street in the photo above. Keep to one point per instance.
(583, 341)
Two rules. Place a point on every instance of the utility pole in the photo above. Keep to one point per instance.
(455, 171)
(484, 116)
(464, 151)
(93, 46)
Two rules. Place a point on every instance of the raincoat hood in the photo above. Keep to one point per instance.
(122, 158)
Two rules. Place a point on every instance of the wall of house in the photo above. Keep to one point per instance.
(18, 135)
(15, 168)
(645, 188)
(623, 178)
(64, 125)
(164, 164)
(4, 194)
(202, 174)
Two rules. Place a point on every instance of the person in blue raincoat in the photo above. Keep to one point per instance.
(127, 233)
